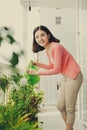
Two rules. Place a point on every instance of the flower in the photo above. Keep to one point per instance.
(23, 81)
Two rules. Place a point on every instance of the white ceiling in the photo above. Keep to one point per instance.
(50, 3)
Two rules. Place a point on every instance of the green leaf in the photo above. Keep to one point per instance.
(3, 83)
(12, 40)
(14, 60)
(6, 28)
(1, 39)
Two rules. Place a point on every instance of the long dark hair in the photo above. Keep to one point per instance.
(36, 47)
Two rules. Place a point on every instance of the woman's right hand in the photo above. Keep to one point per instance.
(35, 63)
(31, 71)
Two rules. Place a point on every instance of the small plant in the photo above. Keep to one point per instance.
(20, 112)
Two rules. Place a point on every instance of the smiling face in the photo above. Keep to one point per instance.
(42, 38)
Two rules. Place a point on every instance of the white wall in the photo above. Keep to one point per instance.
(33, 21)
(66, 31)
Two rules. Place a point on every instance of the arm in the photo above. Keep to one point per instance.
(45, 66)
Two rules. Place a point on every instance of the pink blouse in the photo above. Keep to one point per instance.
(63, 62)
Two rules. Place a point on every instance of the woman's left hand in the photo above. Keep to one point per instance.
(31, 72)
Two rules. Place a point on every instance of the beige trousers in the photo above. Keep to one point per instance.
(67, 96)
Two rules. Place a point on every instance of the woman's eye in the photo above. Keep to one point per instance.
(37, 37)
(43, 34)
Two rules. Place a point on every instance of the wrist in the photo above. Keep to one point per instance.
(37, 64)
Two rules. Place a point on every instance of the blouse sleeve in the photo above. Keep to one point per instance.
(57, 55)
(45, 66)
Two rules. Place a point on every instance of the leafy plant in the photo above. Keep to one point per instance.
(20, 113)
(11, 119)
(6, 34)
(27, 100)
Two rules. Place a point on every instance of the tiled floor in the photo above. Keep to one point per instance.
(52, 120)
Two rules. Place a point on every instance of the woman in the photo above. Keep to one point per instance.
(60, 61)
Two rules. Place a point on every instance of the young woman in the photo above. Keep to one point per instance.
(60, 61)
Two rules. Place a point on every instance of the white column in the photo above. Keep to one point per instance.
(25, 31)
